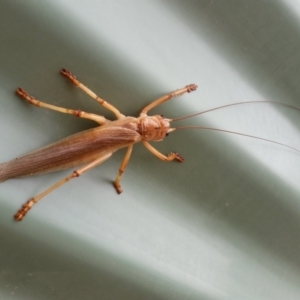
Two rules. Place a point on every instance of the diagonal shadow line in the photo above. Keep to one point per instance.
(259, 38)
(25, 39)
(47, 273)
(227, 176)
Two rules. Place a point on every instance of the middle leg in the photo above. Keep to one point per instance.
(122, 169)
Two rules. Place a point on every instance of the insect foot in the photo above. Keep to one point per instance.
(70, 76)
(23, 211)
(118, 188)
(23, 94)
(175, 155)
(191, 88)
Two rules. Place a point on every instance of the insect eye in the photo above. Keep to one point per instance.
(162, 116)
(167, 133)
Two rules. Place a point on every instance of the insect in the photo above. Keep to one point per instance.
(92, 147)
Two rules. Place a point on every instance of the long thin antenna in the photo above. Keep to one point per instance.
(232, 104)
(233, 132)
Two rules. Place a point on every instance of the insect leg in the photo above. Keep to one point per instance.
(108, 106)
(122, 169)
(169, 157)
(78, 113)
(187, 89)
(28, 205)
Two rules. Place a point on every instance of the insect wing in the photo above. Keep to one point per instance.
(77, 149)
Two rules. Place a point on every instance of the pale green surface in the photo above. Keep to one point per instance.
(223, 225)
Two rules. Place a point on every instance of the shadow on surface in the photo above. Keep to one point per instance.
(34, 271)
(261, 39)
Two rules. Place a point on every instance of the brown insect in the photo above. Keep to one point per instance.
(93, 146)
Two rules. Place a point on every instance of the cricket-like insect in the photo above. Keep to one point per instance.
(93, 146)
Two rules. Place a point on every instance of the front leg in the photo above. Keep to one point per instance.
(122, 170)
(169, 157)
(187, 89)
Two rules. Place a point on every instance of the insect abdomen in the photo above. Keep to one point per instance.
(75, 150)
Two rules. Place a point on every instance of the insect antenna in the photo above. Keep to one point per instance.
(233, 132)
(233, 104)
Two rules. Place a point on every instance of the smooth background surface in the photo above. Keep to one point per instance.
(224, 224)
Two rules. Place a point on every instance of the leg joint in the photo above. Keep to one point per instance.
(78, 113)
(121, 171)
(101, 101)
(76, 174)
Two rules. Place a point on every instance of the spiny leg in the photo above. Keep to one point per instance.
(108, 106)
(187, 89)
(122, 169)
(78, 113)
(28, 205)
(169, 157)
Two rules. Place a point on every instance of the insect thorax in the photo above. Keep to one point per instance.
(153, 128)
